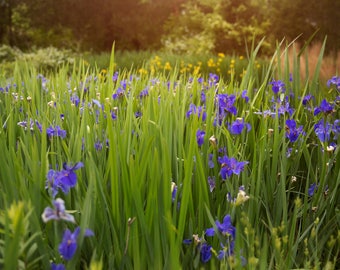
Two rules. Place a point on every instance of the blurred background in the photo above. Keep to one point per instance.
(178, 26)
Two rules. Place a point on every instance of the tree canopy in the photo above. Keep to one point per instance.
(185, 26)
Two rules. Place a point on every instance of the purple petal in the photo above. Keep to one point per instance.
(210, 232)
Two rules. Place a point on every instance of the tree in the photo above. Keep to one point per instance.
(290, 20)
(303, 18)
(214, 26)
(138, 25)
(6, 22)
(326, 16)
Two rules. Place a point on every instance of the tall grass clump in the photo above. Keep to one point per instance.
(170, 170)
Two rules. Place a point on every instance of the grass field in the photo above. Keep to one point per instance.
(164, 166)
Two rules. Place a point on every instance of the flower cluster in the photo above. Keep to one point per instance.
(324, 129)
(55, 132)
(292, 131)
(227, 232)
(30, 124)
(307, 101)
(278, 86)
(324, 107)
(50, 131)
(238, 126)
(196, 110)
(335, 80)
(281, 106)
(230, 166)
(226, 105)
(68, 245)
(63, 180)
(200, 137)
(120, 92)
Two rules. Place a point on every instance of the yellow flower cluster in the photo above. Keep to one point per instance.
(220, 64)
(190, 68)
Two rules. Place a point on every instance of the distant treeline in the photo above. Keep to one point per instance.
(187, 26)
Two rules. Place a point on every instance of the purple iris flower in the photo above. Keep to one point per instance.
(75, 100)
(278, 86)
(323, 130)
(312, 189)
(193, 109)
(64, 179)
(57, 266)
(56, 132)
(30, 125)
(200, 137)
(211, 182)
(335, 80)
(174, 193)
(230, 166)
(98, 145)
(113, 115)
(138, 114)
(213, 79)
(222, 254)
(205, 251)
(39, 126)
(52, 182)
(68, 245)
(226, 251)
(203, 97)
(237, 126)
(307, 99)
(58, 213)
(44, 82)
(119, 93)
(98, 104)
(290, 77)
(324, 107)
(211, 163)
(67, 177)
(226, 104)
(293, 132)
(336, 128)
(244, 96)
(115, 76)
(226, 228)
(144, 92)
(289, 152)
(285, 108)
(24, 124)
(187, 241)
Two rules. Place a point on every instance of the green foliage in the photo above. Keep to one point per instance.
(48, 58)
(44, 60)
(9, 54)
(215, 26)
(18, 244)
(178, 25)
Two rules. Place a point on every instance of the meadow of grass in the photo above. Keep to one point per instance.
(170, 168)
(222, 64)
